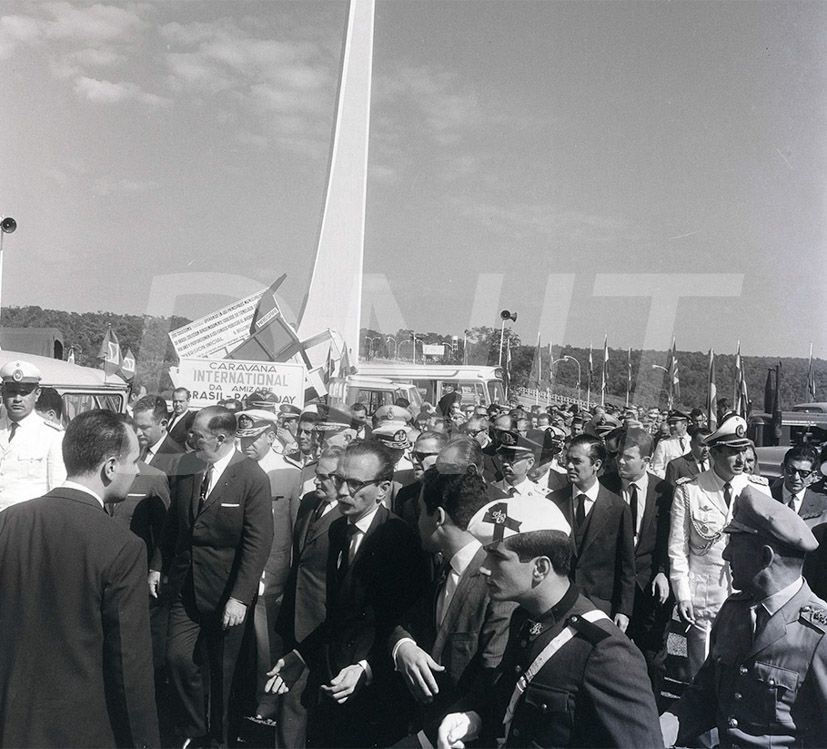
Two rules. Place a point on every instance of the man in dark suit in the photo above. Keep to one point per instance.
(182, 417)
(604, 560)
(650, 501)
(158, 448)
(694, 462)
(453, 637)
(423, 456)
(375, 572)
(214, 546)
(800, 466)
(304, 605)
(74, 665)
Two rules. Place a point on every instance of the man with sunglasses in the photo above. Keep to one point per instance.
(793, 489)
(31, 463)
(376, 570)
(517, 456)
(423, 456)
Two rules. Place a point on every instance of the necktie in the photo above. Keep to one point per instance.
(580, 510)
(791, 503)
(728, 494)
(13, 427)
(633, 505)
(446, 592)
(683, 446)
(345, 561)
(205, 486)
(512, 491)
(702, 465)
(146, 456)
(320, 511)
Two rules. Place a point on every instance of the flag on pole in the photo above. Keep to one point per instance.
(741, 398)
(508, 364)
(589, 380)
(629, 377)
(128, 367)
(776, 406)
(329, 368)
(604, 375)
(344, 363)
(110, 352)
(539, 361)
(71, 357)
(674, 392)
(811, 377)
(712, 395)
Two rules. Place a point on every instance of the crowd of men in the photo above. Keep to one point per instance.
(464, 573)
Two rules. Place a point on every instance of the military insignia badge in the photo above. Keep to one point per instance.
(400, 436)
(739, 430)
(535, 630)
(17, 375)
(245, 422)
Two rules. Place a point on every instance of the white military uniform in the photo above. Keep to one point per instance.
(666, 450)
(32, 463)
(698, 572)
(526, 488)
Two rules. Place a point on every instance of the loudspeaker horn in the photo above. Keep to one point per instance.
(8, 225)
(506, 315)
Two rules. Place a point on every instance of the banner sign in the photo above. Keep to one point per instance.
(213, 380)
(217, 334)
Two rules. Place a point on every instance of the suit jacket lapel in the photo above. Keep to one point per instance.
(222, 483)
(810, 506)
(454, 608)
(595, 521)
(317, 528)
(776, 626)
(649, 507)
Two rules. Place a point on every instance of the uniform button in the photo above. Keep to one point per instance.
(516, 732)
(805, 609)
(523, 643)
(733, 723)
(518, 669)
(771, 682)
(743, 670)
(543, 707)
(737, 695)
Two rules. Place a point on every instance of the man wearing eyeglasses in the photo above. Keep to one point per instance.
(793, 489)
(375, 572)
(517, 456)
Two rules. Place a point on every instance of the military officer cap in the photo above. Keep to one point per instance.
(759, 514)
(289, 412)
(20, 372)
(254, 421)
(261, 399)
(393, 413)
(503, 518)
(334, 419)
(606, 424)
(732, 432)
(675, 415)
(514, 442)
(394, 435)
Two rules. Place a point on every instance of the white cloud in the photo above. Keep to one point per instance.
(108, 92)
(106, 186)
(95, 23)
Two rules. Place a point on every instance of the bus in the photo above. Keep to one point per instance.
(80, 388)
(476, 384)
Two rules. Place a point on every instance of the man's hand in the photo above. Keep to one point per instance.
(686, 612)
(660, 588)
(457, 728)
(416, 666)
(285, 673)
(234, 613)
(344, 684)
(622, 621)
(154, 580)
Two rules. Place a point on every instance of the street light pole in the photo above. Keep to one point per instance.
(571, 358)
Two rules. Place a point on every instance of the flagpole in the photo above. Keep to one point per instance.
(589, 384)
(629, 378)
(811, 379)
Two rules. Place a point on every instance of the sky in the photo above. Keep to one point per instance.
(630, 169)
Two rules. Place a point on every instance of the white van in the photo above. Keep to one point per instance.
(476, 384)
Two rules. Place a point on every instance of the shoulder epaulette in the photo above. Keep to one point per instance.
(758, 480)
(814, 615)
(589, 630)
(684, 480)
(51, 424)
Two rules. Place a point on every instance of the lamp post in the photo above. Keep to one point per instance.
(370, 339)
(571, 358)
(390, 338)
(504, 315)
(7, 226)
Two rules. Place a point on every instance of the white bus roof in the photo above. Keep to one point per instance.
(430, 371)
(64, 375)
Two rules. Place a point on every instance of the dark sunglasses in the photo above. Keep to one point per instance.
(420, 456)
